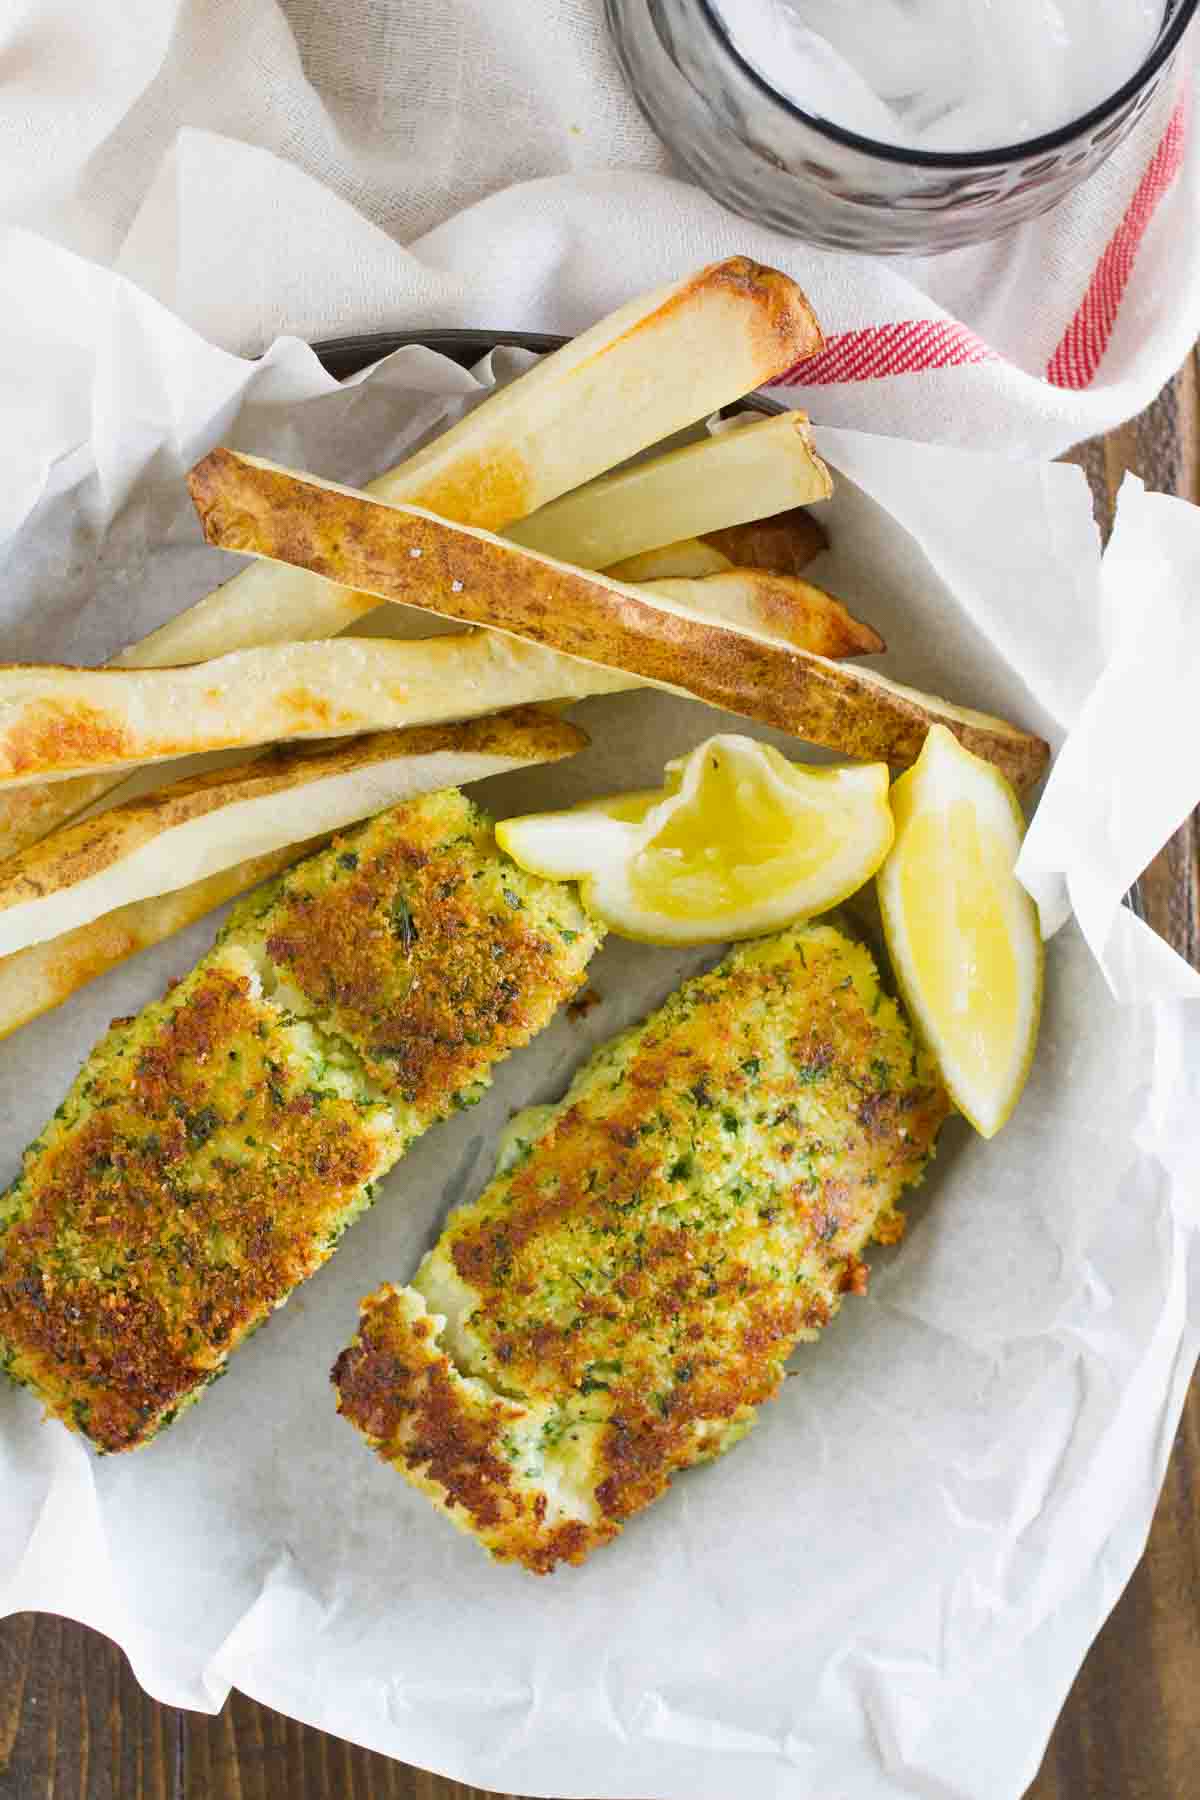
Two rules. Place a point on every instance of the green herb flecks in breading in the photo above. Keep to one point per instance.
(622, 1297)
(417, 955)
(213, 1150)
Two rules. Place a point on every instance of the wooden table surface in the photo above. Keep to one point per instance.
(74, 1725)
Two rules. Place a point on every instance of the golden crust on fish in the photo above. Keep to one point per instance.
(200, 1167)
(213, 1149)
(620, 1300)
(427, 949)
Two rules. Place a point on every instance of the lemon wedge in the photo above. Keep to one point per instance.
(961, 931)
(738, 842)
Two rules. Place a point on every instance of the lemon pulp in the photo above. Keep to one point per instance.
(739, 837)
(738, 842)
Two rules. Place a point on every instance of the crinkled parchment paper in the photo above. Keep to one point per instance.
(889, 1587)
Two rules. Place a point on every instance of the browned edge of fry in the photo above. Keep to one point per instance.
(781, 606)
(491, 493)
(785, 543)
(41, 977)
(28, 814)
(789, 608)
(80, 851)
(495, 487)
(418, 559)
(787, 329)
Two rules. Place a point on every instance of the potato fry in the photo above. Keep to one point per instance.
(691, 559)
(783, 606)
(36, 980)
(28, 814)
(654, 366)
(785, 543)
(197, 827)
(419, 559)
(722, 481)
(646, 371)
(58, 721)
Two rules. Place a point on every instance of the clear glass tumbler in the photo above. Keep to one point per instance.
(763, 156)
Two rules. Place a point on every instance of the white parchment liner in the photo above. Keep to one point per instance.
(888, 1589)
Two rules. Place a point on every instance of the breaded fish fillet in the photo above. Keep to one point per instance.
(622, 1297)
(423, 945)
(212, 1150)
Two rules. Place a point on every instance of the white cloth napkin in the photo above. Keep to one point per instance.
(301, 166)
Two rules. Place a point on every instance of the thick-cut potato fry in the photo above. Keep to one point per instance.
(36, 980)
(206, 823)
(28, 814)
(781, 605)
(56, 721)
(648, 370)
(721, 481)
(691, 559)
(784, 544)
(419, 559)
(52, 719)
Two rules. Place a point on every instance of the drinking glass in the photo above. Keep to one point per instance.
(760, 154)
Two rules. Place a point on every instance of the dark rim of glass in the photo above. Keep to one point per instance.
(1174, 26)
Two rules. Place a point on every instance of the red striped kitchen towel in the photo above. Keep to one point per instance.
(428, 172)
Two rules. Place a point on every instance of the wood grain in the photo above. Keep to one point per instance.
(1131, 1727)
(74, 1725)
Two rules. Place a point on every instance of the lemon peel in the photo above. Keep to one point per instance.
(961, 931)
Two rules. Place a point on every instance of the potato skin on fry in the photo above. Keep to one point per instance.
(35, 980)
(622, 1297)
(512, 454)
(246, 504)
(783, 544)
(190, 829)
(30, 813)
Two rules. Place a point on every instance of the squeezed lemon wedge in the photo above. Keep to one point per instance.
(738, 842)
(961, 931)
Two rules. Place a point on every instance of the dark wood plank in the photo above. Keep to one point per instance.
(252, 1753)
(1131, 1727)
(75, 1726)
